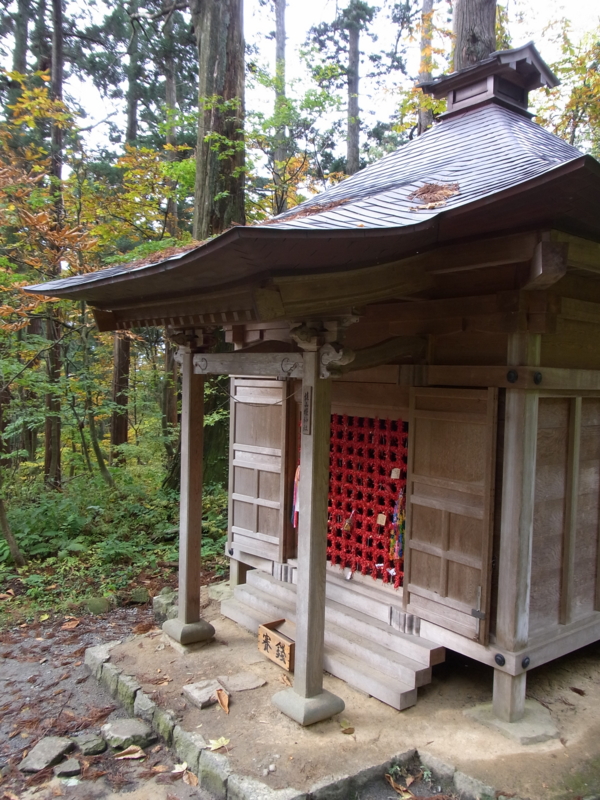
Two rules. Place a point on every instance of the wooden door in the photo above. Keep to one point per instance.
(450, 494)
(262, 465)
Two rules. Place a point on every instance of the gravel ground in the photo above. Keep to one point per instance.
(45, 690)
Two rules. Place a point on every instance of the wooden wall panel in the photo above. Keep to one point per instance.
(549, 513)
(573, 346)
(472, 348)
(588, 516)
(450, 497)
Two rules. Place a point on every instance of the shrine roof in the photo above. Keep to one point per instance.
(488, 170)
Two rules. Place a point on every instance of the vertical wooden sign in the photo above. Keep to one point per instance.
(307, 410)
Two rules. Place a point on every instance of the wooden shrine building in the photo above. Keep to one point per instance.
(415, 417)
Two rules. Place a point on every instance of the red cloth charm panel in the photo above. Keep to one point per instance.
(367, 487)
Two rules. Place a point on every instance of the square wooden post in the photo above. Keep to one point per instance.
(516, 529)
(307, 702)
(189, 628)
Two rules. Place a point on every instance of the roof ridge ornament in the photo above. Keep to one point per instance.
(505, 77)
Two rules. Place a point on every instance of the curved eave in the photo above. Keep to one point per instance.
(566, 197)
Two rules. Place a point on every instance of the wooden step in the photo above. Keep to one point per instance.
(369, 680)
(392, 663)
(414, 647)
(352, 670)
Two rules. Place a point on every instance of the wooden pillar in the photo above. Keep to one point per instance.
(307, 702)
(189, 628)
(516, 528)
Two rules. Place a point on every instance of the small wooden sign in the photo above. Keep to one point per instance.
(307, 411)
(275, 645)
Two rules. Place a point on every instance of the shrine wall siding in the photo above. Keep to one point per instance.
(564, 570)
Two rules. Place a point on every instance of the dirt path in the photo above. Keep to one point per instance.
(45, 690)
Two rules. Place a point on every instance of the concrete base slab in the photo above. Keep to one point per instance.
(188, 632)
(535, 727)
(308, 710)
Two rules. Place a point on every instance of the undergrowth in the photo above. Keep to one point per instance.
(89, 540)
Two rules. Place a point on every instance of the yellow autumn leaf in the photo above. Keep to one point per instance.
(217, 744)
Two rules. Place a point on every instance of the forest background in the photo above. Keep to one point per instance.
(119, 139)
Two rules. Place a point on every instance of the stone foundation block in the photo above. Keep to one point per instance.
(165, 605)
(332, 788)
(241, 788)
(438, 768)
(472, 789)
(127, 688)
(109, 677)
(213, 773)
(163, 723)
(188, 747)
(95, 657)
(143, 706)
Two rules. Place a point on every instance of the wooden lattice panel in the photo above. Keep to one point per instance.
(367, 486)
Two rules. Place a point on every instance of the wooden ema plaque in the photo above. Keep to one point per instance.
(275, 645)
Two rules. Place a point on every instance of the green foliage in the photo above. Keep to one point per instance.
(89, 540)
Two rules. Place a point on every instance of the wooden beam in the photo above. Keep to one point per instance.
(543, 378)
(313, 294)
(548, 265)
(579, 310)
(584, 254)
(280, 365)
(570, 523)
(377, 355)
(105, 320)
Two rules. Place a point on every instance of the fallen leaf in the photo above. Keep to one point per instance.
(412, 778)
(179, 768)
(580, 692)
(190, 778)
(142, 627)
(70, 625)
(131, 752)
(403, 792)
(4, 596)
(44, 617)
(11, 592)
(10, 796)
(217, 744)
(285, 680)
(348, 730)
(160, 768)
(223, 700)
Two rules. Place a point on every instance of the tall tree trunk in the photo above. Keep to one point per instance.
(171, 106)
(474, 31)
(280, 155)
(52, 445)
(21, 36)
(425, 114)
(353, 138)
(219, 191)
(13, 547)
(120, 395)
(133, 78)
(40, 38)
(119, 425)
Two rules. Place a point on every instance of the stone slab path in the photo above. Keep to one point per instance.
(45, 691)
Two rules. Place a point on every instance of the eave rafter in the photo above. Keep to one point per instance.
(546, 258)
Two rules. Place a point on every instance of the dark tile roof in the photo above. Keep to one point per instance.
(505, 166)
(484, 151)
